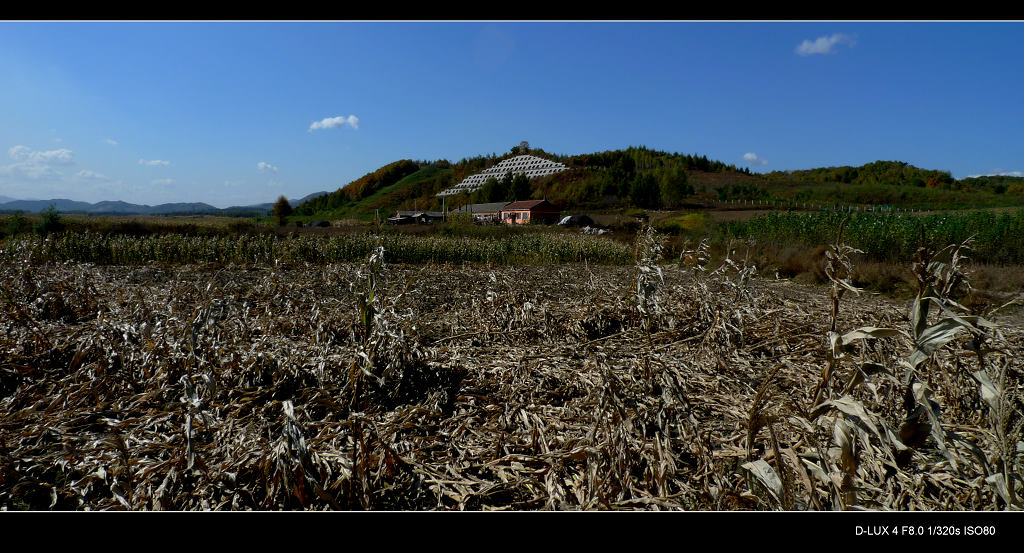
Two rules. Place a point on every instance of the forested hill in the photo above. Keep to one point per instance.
(879, 172)
(653, 179)
(894, 183)
(635, 176)
(896, 173)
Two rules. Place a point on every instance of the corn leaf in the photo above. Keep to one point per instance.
(989, 390)
(766, 475)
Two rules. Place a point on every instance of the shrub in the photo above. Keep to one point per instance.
(51, 222)
(17, 224)
(282, 209)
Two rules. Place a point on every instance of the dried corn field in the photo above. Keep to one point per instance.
(352, 386)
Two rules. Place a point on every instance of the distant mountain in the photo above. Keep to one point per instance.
(308, 197)
(9, 205)
(293, 202)
(36, 206)
(105, 208)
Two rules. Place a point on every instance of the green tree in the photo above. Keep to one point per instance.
(17, 224)
(673, 185)
(645, 192)
(623, 170)
(502, 191)
(50, 222)
(282, 209)
(608, 186)
(490, 189)
(521, 188)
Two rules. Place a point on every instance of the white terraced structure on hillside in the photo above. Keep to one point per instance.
(531, 166)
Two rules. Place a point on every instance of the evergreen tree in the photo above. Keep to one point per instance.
(503, 190)
(521, 188)
(282, 209)
(673, 184)
(645, 192)
(50, 222)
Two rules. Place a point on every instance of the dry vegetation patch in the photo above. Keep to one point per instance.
(373, 386)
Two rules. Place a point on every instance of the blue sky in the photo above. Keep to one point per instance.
(235, 113)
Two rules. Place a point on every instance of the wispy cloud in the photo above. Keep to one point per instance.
(998, 172)
(154, 162)
(752, 159)
(36, 165)
(265, 167)
(824, 44)
(335, 122)
(111, 141)
(59, 157)
(162, 182)
(91, 175)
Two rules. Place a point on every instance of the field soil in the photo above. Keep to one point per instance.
(361, 386)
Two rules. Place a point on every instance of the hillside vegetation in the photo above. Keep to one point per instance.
(639, 177)
(636, 176)
(895, 183)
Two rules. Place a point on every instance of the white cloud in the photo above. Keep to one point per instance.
(162, 182)
(824, 44)
(265, 167)
(36, 165)
(56, 157)
(19, 152)
(998, 173)
(752, 159)
(334, 122)
(86, 174)
(154, 162)
(111, 141)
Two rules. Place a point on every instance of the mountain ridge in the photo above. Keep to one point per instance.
(119, 207)
(636, 176)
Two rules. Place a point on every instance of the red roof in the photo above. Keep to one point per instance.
(528, 205)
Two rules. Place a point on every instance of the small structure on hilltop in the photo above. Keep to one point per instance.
(530, 211)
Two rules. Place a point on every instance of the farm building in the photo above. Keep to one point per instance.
(530, 211)
(483, 213)
(420, 217)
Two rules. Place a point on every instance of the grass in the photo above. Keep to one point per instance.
(893, 237)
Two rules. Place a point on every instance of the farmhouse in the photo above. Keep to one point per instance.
(530, 211)
(483, 213)
(420, 217)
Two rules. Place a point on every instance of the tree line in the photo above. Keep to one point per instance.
(897, 173)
